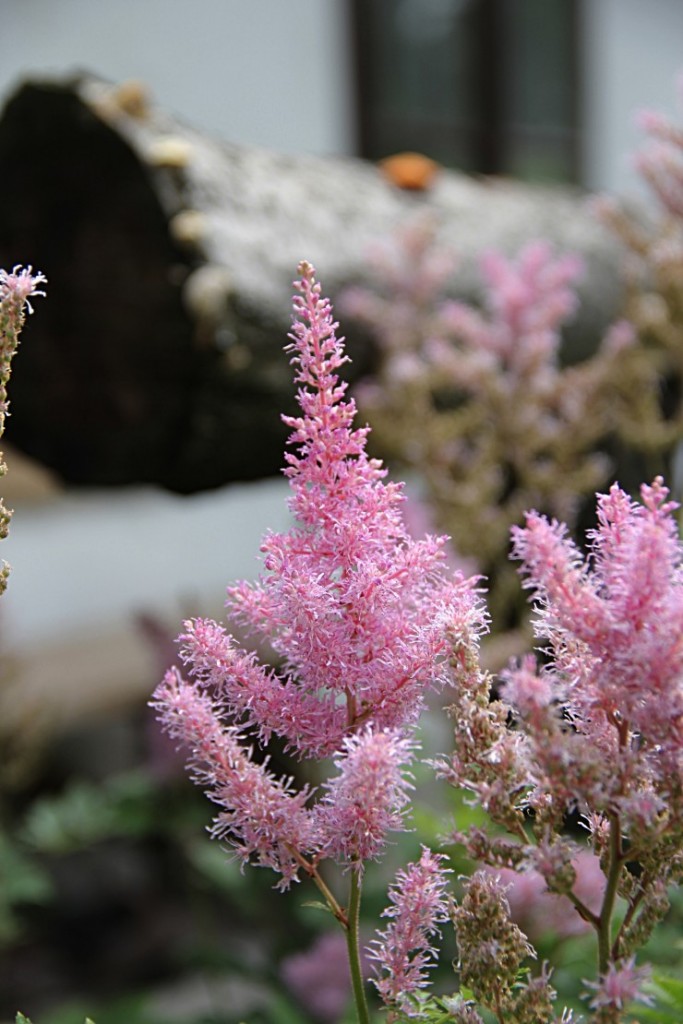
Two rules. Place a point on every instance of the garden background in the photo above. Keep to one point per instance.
(114, 902)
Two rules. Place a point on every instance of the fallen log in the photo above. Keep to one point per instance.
(170, 255)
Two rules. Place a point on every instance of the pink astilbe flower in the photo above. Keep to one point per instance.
(354, 609)
(265, 819)
(610, 741)
(359, 616)
(620, 985)
(615, 620)
(366, 799)
(16, 290)
(404, 950)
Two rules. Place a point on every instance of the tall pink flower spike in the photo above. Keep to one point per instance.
(357, 615)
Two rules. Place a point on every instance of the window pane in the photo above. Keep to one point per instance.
(422, 94)
(540, 102)
(482, 85)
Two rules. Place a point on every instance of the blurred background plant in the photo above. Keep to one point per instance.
(494, 406)
(652, 263)
(482, 404)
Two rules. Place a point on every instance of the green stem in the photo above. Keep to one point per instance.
(609, 899)
(630, 914)
(353, 946)
(582, 910)
(330, 900)
(311, 870)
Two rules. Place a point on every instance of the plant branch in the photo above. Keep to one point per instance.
(609, 899)
(352, 941)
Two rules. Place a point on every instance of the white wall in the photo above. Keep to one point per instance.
(633, 50)
(261, 72)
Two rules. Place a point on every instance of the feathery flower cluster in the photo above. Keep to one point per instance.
(356, 614)
(261, 815)
(404, 949)
(16, 290)
(615, 627)
(598, 730)
(619, 986)
(368, 795)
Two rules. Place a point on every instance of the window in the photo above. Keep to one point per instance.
(486, 86)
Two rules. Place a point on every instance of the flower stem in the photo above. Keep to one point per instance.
(354, 947)
(607, 909)
(313, 873)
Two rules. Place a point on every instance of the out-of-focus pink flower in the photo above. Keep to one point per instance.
(620, 985)
(528, 299)
(539, 912)
(319, 977)
(660, 161)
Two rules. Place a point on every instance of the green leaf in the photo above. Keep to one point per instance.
(668, 991)
(218, 868)
(658, 1015)
(86, 813)
(317, 905)
(671, 986)
(23, 881)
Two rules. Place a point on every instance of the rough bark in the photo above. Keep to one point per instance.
(170, 255)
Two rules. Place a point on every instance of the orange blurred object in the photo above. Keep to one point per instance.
(413, 171)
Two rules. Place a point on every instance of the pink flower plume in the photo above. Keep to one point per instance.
(361, 618)
(404, 951)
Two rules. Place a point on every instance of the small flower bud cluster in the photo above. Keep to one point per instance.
(486, 758)
(492, 950)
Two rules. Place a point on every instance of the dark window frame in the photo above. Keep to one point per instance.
(490, 142)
